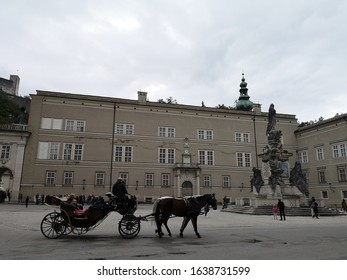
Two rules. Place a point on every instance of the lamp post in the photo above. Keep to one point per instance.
(137, 184)
(83, 184)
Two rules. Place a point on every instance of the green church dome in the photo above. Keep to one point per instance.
(244, 103)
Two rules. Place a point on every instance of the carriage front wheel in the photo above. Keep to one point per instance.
(53, 225)
(129, 227)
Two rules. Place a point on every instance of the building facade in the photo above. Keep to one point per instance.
(82, 144)
(322, 152)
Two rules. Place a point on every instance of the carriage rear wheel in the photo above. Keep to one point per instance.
(53, 225)
(129, 227)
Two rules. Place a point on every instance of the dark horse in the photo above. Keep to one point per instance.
(187, 207)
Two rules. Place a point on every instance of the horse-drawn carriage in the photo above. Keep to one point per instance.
(71, 220)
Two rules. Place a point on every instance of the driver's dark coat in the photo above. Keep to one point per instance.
(119, 189)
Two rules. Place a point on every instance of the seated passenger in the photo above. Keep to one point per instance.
(78, 207)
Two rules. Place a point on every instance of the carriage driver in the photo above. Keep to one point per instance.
(120, 191)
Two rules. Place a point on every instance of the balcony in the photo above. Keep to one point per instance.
(13, 127)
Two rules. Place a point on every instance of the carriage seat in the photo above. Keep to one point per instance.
(72, 212)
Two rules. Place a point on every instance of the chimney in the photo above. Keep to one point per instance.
(141, 97)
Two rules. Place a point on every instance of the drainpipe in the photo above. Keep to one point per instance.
(112, 145)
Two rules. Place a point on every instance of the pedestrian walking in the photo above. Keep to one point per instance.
(225, 202)
(314, 208)
(281, 207)
(26, 201)
(343, 205)
(275, 211)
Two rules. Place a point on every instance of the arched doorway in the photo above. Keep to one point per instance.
(187, 188)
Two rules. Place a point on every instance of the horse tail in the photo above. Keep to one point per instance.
(156, 209)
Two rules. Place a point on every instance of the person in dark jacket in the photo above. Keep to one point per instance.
(314, 208)
(120, 191)
(281, 207)
(26, 201)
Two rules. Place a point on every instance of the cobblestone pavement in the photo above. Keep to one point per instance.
(225, 236)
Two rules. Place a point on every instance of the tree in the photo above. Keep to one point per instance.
(9, 112)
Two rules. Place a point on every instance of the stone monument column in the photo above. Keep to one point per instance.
(272, 182)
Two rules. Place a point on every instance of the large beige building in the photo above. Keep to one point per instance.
(82, 144)
(322, 151)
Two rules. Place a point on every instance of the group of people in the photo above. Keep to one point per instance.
(119, 193)
(279, 208)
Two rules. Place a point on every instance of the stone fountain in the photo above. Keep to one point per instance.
(275, 180)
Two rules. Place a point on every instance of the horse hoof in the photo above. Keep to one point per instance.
(181, 235)
(199, 236)
(170, 235)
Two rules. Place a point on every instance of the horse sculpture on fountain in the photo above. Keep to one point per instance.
(187, 207)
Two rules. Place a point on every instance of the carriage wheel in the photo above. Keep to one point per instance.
(53, 225)
(129, 227)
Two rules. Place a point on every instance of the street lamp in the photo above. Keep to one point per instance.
(83, 184)
(241, 188)
(137, 184)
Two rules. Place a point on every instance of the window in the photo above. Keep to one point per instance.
(68, 178)
(166, 132)
(205, 134)
(320, 153)
(100, 178)
(226, 181)
(75, 125)
(342, 174)
(69, 125)
(53, 150)
(49, 123)
(339, 150)
(129, 129)
(50, 177)
(165, 180)
(67, 151)
(324, 194)
(206, 181)
(124, 177)
(80, 126)
(48, 150)
(243, 159)
(73, 151)
(122, 128)
(321, 176)
(123, 154)
(242, 137)
(166, 155)
(149, 180)
(344, 194)
(303, 157)
(206, 157)
(5, 151)
(78, 152)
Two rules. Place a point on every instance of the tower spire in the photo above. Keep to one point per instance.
(244, 103)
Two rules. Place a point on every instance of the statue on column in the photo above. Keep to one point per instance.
(298, 179)
(257, 180)
(271, 119)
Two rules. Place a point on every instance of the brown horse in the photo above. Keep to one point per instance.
(187, 207)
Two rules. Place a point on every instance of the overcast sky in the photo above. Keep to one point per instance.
(293, 53)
